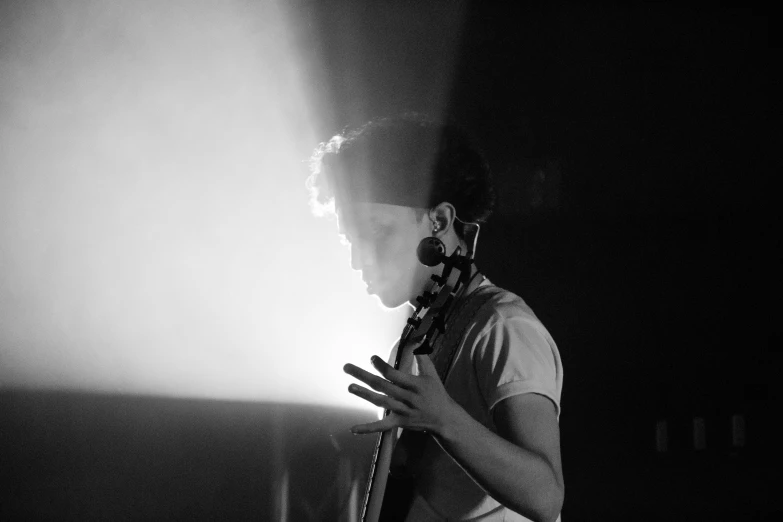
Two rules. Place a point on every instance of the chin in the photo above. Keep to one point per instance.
(391, 301)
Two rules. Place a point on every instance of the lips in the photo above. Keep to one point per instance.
(370, 283)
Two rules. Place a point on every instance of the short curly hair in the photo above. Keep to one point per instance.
(410, 160)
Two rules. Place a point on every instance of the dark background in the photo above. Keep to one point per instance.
(634, 150)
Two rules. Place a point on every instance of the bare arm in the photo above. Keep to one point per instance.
(520, 467)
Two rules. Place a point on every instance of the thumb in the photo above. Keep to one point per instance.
(426, 366)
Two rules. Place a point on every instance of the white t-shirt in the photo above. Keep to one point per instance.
(505, 351)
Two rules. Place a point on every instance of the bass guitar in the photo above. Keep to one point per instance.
(388, 495)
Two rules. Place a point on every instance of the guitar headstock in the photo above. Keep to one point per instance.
(429, 318)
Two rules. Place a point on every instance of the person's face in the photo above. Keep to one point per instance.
(383, 240)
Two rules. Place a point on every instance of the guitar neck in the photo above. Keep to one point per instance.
(379, 474)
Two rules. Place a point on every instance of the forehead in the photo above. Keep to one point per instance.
(359, 215)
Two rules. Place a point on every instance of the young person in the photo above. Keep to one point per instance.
(494, 449)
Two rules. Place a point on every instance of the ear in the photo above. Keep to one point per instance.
(443, 215)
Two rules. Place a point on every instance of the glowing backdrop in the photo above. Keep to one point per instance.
(154, 231)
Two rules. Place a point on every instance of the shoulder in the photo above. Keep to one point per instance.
(505, 309)
(513, 353)
(505, 323)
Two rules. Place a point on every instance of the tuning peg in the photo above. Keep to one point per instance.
(425, 299)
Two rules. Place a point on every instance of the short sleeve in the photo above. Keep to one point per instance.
(516, 355)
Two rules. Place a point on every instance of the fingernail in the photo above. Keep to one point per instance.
(374, 360)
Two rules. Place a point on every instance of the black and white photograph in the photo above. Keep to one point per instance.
(389, 261)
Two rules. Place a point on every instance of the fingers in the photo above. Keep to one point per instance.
(395, 385)
(384, 401)
(396, 376)
(375, 382)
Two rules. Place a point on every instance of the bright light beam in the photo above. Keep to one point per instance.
(155, 236)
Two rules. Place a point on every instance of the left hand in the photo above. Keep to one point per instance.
(417, 402)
